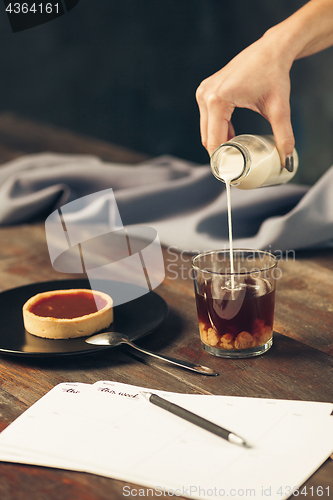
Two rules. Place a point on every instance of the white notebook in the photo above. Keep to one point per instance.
(110, 429)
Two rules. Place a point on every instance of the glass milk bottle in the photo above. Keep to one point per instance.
(250, 161)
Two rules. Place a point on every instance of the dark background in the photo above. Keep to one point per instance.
(127, 71)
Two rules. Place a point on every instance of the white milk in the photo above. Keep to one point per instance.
(228, 174)
(251, 161)
(248, 162)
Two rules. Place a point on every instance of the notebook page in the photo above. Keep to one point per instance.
(109, 429)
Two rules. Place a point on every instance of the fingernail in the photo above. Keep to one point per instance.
(290, 163)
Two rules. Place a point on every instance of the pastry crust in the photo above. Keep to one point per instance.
(64, 328)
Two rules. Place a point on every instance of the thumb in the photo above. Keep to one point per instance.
(284, 138)
(231, 131)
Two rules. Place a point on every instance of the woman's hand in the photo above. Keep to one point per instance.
(257, 79)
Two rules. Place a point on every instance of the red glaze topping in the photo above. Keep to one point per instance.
(69, 305)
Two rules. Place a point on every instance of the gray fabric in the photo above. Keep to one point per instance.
(183, 202)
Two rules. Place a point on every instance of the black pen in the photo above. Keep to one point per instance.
(193, 418)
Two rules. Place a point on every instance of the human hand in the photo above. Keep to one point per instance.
(257, 79)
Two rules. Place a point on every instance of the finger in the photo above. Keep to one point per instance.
(283, 132)
(231, 131)
(218, 126)
(203, 115)
(203, 125)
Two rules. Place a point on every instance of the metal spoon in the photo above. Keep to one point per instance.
(115, 338)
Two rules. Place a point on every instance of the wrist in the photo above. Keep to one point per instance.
(307, 31)
(282, 45)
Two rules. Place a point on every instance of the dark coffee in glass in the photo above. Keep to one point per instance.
(235, 310)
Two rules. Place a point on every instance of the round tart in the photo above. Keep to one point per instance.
(64, 314)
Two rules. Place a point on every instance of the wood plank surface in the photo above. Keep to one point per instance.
(22, 136)
(298, 366)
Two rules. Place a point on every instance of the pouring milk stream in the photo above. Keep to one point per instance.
(248, 162)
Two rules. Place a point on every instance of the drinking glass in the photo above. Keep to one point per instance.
(235, 309)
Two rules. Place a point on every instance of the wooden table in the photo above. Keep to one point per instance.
(299, 365)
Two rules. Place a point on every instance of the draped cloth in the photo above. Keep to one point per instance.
(184, 202)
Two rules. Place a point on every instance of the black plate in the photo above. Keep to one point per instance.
(135, 319)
